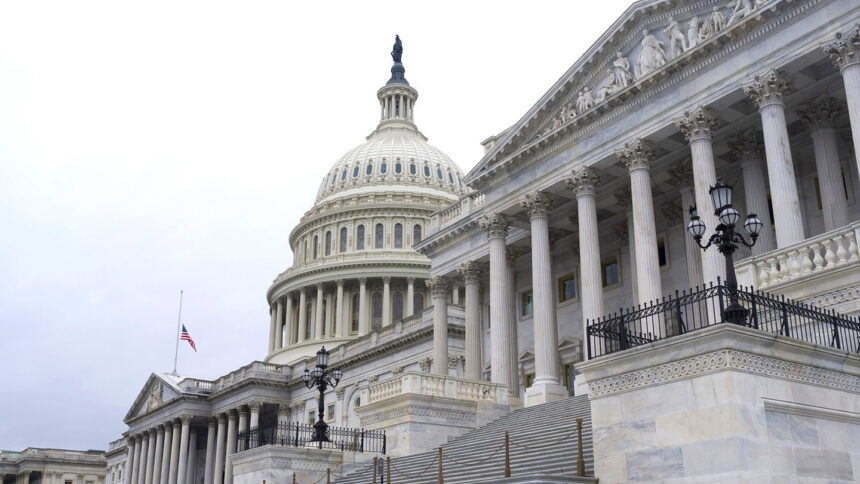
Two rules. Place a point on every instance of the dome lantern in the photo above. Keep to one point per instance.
(397, 98)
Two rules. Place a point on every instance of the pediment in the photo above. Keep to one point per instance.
(156, 392)
(647, 41)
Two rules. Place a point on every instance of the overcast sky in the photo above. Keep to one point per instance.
(153, 146)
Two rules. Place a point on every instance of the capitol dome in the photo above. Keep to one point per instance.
(354, 269)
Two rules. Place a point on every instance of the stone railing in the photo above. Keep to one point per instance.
(816, 255)
(257, 369)
(412, 382)
(117, 444)
(462, 207)
(368, 255)
(62, 454)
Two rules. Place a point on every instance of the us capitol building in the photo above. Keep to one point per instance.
(551, 316)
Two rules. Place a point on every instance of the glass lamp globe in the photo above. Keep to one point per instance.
(721, 195)
(317, 372)
(729, 216)
(306, 376)
(322, 357)
(753, 224)
(696, 227)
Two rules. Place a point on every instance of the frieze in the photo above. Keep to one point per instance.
(417, 411)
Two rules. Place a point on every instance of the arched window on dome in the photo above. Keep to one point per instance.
(417, 303)
(416, 233)
(355, 172)
(310, 321)
(398, 168)
(316, 245)
(376, 309)
(439, 173)
(305, 252)
(343, 175)
(333, 178)
(398, 236)
(324, 309)
(359, 238)
(356, 305)
(383, 167)
(369, 169)
(328, 242)
(380, 234)
(343, 239)
(413, 170)
(450, 178)
(427, 171)
(397, 307)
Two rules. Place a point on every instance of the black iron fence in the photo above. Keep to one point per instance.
(300, 435)
(713, 304)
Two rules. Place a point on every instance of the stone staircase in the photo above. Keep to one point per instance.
(543, 450)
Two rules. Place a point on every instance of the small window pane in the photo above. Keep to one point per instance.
(450, 179)
(383, 168)
(398, 168)
(343, 239)
(416, 234)
(355, 308)
(566, 288)
(355, 171)
(528, 303)
(413, 169)
(398, 236)
(380, 232)
(333, 178)
(426, 170)
(328, 243)
(343, 174)
(417, 303)
(610, 272)
(316, 244)
(359, 238)
(397, 307)
(376, 308)
(661, 252)
(369, 169)
(439, 173)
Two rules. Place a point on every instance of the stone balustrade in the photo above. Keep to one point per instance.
(364, 255)
(466, 205)
(416, 383)
(257, 369)
(816, 255)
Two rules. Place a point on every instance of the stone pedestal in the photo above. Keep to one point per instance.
(275, 464)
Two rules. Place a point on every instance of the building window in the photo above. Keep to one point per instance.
(356, 305)
(306, 250)
(359, 238)
(309, 321)
(413, 169)
(324, 311)
(383, 167)
(661, 251)
(610, 271)
(312, 417)
(316, 244)
(398, 306)
(355, 172)
(328, 243)
(330, 412)
(417, 303)
(398, 236)
(343, 175)
(427, 171)
(530, 379)
(376, 308)
(369, 169)
(528, 303)
(380, 232)
(450, 178)
(568, 375)
(398, 168)
(343, 239)
(566, 287)
(439, 173)
(333, 178)
(416, 234)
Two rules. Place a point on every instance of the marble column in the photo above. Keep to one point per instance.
(150, 458)
(144, 454)
(220, 448)
(340, 320)
(25, 477)
(254, 408)
(512, 253)
(624, 199)
(818, 116)
(546, 386)
(164, 477)
(273, 313)
(318, 314)
(496, 226)
(748, 148)
(386, 301)
(682, 177)
(210, 451)
(191, 464)
(844, 52)
(638, 157)
(129, 461)
(174, 453)
(410, 296)
(696, 127)
(243, 425)
(455, 295)
(135, 467)
(439, 287)
(183, 449)
(471, 274)
(584, 182)
(279, 320)
(303, 315)
(767, 92)
(230, 448)
(289, 323)
(363, 320)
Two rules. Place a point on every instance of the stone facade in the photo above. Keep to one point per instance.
(52, 466)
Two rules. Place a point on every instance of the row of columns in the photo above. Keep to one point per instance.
(284, 313)
(389, 106)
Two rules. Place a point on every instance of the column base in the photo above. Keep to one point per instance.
(544, 393)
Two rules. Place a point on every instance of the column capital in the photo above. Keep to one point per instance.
(232, 415)
(513, 252)
(213, 422)
(768, 88)
(470, 272)
(302, 291)
(319, 286)
(159, 429)
(844, 49)
(340, 283)
(221, 418)
(255, 406)
(362, 280)
(697, 124)
(242, 410)
(624, 198)
(747, 145)
(495, 225)
(386, 280)
(538, 204)
(283, 410)
(820, 113)
(185, 419)
(584, 181)
(637, 155)
(682, 173)
(438, 286)
(410, 280)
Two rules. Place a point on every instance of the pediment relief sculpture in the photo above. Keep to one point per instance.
(156, 397)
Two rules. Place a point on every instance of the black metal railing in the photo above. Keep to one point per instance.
(300, 435)
(706, 306)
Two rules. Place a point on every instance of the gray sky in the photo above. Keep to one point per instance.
(155, 146)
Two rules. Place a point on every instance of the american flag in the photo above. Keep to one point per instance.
(187, 337)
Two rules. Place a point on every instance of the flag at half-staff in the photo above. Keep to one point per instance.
(187, 337)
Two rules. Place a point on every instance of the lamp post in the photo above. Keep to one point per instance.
(321, 378)
(726, 240)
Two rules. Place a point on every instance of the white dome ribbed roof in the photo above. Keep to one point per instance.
(420, 164)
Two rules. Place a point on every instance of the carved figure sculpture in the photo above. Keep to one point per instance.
(397, 50)
(621, 75)
(741, 10)
(584, 101)
(607, 89)
(569, 112)
(718, 21)
(652, 56)
(677, 41)
(693, 32)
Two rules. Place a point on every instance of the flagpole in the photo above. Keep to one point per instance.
(178, 327)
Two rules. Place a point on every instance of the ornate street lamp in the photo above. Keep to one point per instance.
(726, 240)
(321, 378)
